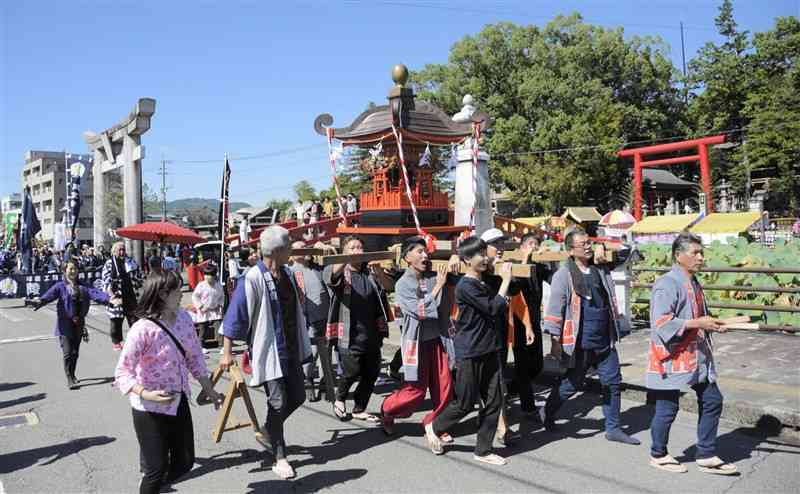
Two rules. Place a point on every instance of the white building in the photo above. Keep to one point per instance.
(11, 202)
(45, 173)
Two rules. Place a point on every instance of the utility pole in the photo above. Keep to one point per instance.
(683, 52)
(163, 188)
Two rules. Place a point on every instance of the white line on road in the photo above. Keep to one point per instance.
(28, 338)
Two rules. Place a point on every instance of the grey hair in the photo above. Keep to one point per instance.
(682, 242)
(117, 244)
(274, 238)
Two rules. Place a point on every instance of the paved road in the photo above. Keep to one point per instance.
(84, 440)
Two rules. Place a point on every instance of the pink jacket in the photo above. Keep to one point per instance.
(150, 358)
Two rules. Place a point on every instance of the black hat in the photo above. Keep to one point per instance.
(410, 243)
(210, 269)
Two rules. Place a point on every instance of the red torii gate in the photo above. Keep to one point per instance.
(700, 146)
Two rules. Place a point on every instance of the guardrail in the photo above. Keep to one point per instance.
(739, 288)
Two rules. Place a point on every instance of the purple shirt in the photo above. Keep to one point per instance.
(66, 310)
(151, 359)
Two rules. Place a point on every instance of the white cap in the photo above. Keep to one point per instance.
(492, 234)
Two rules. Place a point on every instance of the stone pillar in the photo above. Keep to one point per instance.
(120, 147)
(132, 192)
(465, 198)
(99, 201)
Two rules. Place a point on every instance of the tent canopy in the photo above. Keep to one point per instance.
(672, 223)
(726, 222)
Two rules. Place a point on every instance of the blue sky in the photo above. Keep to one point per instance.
(249, 77)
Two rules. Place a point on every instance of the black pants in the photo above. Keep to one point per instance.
(364, 368)
(70, 344)
(285, 395)
(397, 362)
(528, 363)
(477, 380)
(116, 326)
(207, 331)
(166, 446)
(320, 349)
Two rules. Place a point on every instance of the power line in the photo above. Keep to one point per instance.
(507, 11)
(270, 154)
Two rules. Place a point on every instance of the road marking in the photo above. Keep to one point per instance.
(2, 489)
(29, 338)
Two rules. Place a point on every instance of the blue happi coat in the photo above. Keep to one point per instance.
(678, 357)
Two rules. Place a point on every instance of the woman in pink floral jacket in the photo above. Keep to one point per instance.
(161, 350)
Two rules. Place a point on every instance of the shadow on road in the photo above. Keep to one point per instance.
(739, 444)
(312, 483)
(30, 457)
(94, 381)
(340, 445)
(24, 399)
(229, 459)
(12, 386)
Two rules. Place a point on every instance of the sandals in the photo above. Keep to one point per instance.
(446, 438)
(434, 443)
(715, 465)
(668, 464)
(367, 417)
(285, 472)
(340, 411)
(491, 459)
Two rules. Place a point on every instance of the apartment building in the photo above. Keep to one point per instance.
(45, 172)
(11, 202)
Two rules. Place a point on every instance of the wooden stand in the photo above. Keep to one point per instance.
(236, 389)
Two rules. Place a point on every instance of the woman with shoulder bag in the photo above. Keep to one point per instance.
(161, 350)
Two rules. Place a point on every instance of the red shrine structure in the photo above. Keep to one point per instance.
(386, 214)
(700, 148)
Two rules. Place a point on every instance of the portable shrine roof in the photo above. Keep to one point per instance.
(582, 214)
(418, 120)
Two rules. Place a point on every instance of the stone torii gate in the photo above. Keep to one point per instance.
(120, 147)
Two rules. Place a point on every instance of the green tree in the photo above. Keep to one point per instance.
(280, 204)
(719, 80)
(151, 201)
(772, 143)
(304, 191)
(569, 85)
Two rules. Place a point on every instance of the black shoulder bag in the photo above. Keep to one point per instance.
(169, 333)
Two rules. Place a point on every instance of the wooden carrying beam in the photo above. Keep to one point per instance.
(236, 389)
(358, 258)
(516, 255)
(308, 251)
(517, 270)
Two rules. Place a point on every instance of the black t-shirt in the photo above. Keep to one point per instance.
(289, 313)
(364, 312)
(478, 312)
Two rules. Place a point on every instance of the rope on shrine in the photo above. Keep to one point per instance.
(332, 158)
(429, 239)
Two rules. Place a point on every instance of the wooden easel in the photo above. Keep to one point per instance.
(236, 389)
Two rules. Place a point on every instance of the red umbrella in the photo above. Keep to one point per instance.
(161, 231)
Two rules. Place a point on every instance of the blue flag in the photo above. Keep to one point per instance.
(29, 227)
